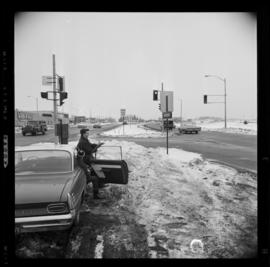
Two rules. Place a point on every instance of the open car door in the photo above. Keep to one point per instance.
(111, 171)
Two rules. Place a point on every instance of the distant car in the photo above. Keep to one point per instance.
(50, 186)
(125, 123)
(96, 126)
(34, 127)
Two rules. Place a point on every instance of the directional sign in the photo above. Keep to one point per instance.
(47, 80)
(166, 101)
(167, 115)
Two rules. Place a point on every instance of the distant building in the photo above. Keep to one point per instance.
(22, 117)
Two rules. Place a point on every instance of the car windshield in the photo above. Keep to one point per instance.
(40, 161)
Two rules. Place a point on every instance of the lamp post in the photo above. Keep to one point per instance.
(36, 102)
(225, 110)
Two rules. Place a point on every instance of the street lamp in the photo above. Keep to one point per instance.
(36, 102)
(224, 81)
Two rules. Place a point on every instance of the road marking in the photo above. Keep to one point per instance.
(99, 247)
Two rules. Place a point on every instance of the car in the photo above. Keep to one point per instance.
(96, 126)
(50, 186)
(33, 127)
(189, 127)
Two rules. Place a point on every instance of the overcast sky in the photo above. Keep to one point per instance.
(112, 61)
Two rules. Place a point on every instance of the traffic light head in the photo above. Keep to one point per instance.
(205, 99)
(155, 95)
(44, 95)
(63, 95)
(61, 84)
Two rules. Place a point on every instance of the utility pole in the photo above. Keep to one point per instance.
(54, 103)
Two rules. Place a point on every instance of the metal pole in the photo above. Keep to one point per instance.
(167, 136)
(162, 87)
(225, 111)
(54, 102)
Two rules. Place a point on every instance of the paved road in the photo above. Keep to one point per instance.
(236, 150)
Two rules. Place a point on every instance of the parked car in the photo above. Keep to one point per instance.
(96, 126)
(50, 186)
(34, 127)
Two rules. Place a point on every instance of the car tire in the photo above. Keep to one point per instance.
(23, 133)
(34, 133)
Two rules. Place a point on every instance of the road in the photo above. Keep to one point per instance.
(235, 150)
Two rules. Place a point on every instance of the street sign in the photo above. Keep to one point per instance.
(123, 112)
(166, 101)
(166, 115)
(47, 80)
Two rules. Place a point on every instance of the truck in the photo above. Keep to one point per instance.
(189, 127)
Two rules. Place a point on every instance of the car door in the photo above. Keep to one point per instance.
(111, 171)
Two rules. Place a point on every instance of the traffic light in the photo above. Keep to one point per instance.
(155, 95)
(63, 95)
(44, 95)
(61, 84)
(205, 99)
(159, 106)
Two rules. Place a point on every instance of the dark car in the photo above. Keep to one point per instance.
(34, 127)
(96, 126)
(50, 186)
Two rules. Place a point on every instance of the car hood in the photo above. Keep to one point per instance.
(40, 187)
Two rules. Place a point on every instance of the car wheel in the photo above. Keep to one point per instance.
(34, 133)
(23, 134)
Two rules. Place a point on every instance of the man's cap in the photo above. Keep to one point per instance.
(84, 130)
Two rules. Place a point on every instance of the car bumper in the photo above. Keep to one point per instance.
(44, 223)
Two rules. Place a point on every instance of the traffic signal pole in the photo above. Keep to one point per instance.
(54, 102)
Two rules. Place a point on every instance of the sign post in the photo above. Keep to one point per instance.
(166, 101)
(123, 113)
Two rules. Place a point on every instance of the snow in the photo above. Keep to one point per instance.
(134, 130)
(233, 126)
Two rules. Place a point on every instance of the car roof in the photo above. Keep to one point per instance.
(46, 146)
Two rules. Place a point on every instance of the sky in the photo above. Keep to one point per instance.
(114, 61)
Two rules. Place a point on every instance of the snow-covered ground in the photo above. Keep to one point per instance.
(133, 130)
(180, 198)
(233, 126)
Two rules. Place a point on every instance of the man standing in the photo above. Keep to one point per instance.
(85, 160)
